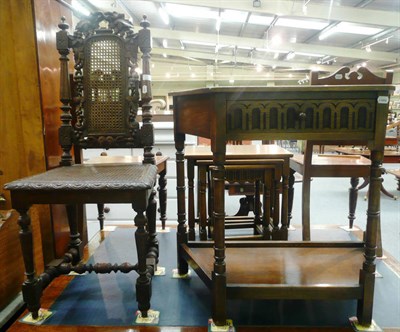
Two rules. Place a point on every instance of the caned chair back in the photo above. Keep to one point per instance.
(108, 86)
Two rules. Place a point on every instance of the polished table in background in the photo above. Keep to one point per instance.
(281, 269)
(390, 155)
(194, 154)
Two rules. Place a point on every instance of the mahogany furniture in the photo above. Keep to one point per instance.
(311, 165)
(201, 156)
(280, 269)
(108, 93)
(390, 156)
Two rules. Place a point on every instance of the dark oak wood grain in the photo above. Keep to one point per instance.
(107, 95)
(269, 113)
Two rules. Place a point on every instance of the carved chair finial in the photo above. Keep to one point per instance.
(145, 23)
(63, 25)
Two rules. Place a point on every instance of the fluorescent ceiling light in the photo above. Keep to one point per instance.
(193, 42)
(185, 11)
(301, 24)
(276, 40)
(244, 47)
(218, 24)
(164, 15)
(311, 54)
(327, 33)
(192, 59)
(233, 16)
(290, 56)
(346, 27)
(76, 5)
(270, 50)
(260, 20)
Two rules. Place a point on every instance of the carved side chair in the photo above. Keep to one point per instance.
(312, 165)
(108, 92)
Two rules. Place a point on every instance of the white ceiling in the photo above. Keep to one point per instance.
(257, 44)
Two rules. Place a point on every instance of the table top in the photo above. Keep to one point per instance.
(123, 160)
(366, 152)
(296, 88)
(333, 160)
(356, 113)
(254, 151)
(395, 172)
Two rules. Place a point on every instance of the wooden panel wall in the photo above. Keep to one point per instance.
(48, 15)
(21, 148)
(21, 135)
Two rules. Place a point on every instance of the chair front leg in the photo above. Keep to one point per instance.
(153, 250)
(143, 282)
(100, 215)
(75, 243)
(162, 195)
(290, 195)
(32, 286)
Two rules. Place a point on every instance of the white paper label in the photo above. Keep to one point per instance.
(383, 99)
(146, 77)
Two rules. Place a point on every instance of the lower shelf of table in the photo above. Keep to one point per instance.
(269, 271)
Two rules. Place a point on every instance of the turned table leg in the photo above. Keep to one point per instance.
(353, 193)
(181, 236)
(162, 194)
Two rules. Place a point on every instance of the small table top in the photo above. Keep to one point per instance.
(254, 151)
(122, 160)
(390, 155)
(395, 172)
(366, 152)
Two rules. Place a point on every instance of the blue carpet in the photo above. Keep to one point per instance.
(109, 300)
